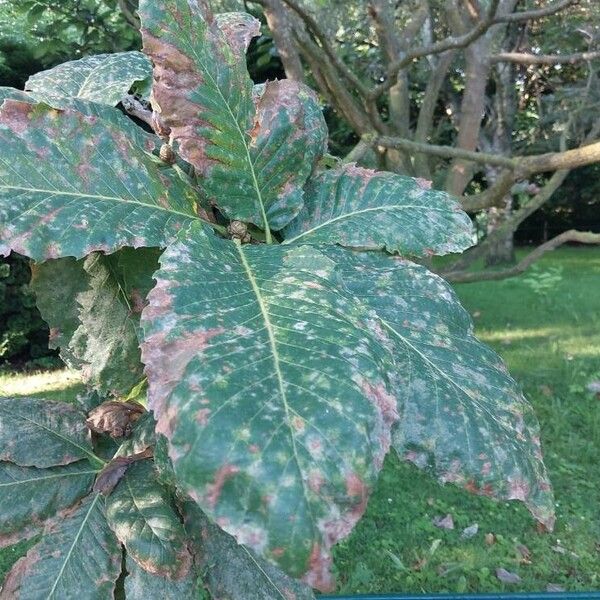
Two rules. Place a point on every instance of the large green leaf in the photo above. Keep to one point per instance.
(71, 184)
(272, 392)
(29, 495)
(464, 418)
(141, 513)
(254, 147)
(141, 585)
(35, 432)
(109, 312)
(231, 571)
(57, 284)
(103, 78)
(361, 208)
(78, 557)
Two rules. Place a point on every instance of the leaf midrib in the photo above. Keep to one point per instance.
(386, 208)
(244, 143)
(91, 456)
(275, 354)
(75, 541)
(43, 478)
(101, 197)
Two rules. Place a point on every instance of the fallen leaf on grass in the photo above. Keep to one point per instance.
(434, 546)
(561, 550)
(506, 576)
(446, 522)
(419, 564)
(594, 387)
(525, 554)
(490, 539)
(469, 532)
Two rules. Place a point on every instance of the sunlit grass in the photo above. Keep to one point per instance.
(55, 385)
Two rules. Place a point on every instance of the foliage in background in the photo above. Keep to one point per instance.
(23, 334)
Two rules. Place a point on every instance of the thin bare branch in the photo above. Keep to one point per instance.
(524, 58)
(580, 237)
(445, 151)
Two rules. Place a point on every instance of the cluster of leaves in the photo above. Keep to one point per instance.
(57, 29)
(264, 303)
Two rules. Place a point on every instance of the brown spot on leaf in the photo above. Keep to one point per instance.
(213, 492)
(319, 574)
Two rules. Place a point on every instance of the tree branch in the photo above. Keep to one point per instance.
(521, 165)
(445, 151)
(129, 14)
(581, 237)
(524, 58)
(323, 39)
(463, 41)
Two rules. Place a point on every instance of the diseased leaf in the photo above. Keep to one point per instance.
(142, 437)
(231, 571)
(141, 585)
(35, 432)
(13, 94)
(272, 392)
(71, 184)
(29, 495)
(141, 513)
(93, 307)
(78, 557)
(464, 418)
(103, 78)
(57, 285)
(361, 208)
(254, 147)
(107, 340)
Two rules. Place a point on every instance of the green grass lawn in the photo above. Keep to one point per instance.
(546, 324)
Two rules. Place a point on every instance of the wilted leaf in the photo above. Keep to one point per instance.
(57, 285)
(469, 532)
(115, 470)
(70, 172)
(463, 416)
(361, 208)
(272, 391)
(254, 147)
(78, 557)
(115, 418)
(28, 496)
(231, 571)
(507, 577)
(35, 432)
(103, 78)
(141, 513)
(141, 585)
(446, 522)
(109, 311)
